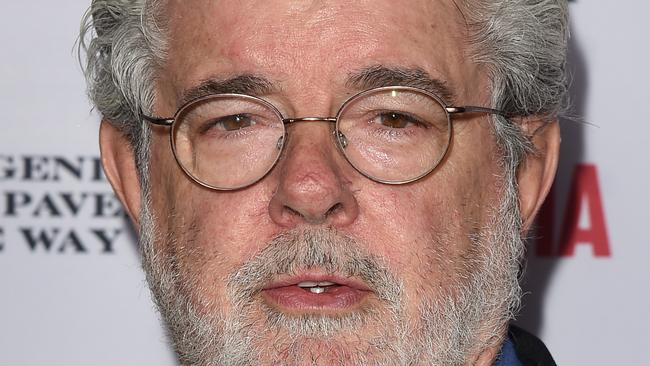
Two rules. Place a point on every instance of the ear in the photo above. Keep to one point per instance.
(119, 166)
(537, 172)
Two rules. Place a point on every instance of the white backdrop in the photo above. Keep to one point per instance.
(71, 291)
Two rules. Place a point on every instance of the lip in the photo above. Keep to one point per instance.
(347, 293)
(290, 280)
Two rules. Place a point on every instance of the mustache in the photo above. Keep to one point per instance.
(322, 248)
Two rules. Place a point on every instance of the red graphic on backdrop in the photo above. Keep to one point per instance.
(584, 199)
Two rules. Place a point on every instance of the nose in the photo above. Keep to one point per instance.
(312, 187)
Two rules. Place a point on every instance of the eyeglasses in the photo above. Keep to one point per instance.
(392, 135)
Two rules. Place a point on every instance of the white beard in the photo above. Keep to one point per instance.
(453, 322)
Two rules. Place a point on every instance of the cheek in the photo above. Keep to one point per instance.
(234, 223)
(207, 234)
(399, 222)
(214, 234)
(423, 230)
(223, 219)
(230, 226)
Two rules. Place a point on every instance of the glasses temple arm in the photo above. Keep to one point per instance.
(158, 121)
(474, 109)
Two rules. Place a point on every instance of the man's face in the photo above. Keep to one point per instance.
(402, 258)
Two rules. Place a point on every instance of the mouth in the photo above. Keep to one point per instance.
(312, 292)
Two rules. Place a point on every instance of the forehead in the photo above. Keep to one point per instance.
(313, 45)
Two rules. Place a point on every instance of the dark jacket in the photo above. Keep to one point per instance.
(530, 350)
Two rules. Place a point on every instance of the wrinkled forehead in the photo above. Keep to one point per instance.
(312, 43)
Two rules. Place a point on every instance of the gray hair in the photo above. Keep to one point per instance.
(124, 47)
(521, 42)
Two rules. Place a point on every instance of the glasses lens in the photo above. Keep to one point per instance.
(394, 135)
(227, 141)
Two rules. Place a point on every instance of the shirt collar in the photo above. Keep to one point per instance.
(508, 355)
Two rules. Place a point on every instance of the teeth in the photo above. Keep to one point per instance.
(316, 290)
(315, 284)
(307, 284)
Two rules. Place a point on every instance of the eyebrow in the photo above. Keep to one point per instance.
(378, 76)
(242, 84)
(367, 78)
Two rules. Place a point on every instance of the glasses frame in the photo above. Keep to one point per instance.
(449, 110)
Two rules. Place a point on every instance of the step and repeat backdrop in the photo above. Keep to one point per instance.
(71, 290)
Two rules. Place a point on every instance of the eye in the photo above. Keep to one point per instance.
(396, 120)
(233, 122)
